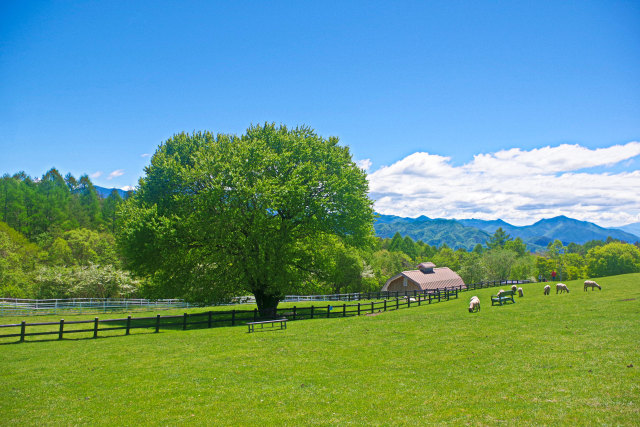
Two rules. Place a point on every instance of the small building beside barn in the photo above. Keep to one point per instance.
(426, 277)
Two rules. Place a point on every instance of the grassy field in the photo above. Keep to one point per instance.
(570, 359)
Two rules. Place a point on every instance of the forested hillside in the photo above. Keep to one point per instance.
(57, 240)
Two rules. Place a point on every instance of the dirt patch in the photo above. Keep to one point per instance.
(374, 314)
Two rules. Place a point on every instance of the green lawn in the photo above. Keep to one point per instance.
(557, 359)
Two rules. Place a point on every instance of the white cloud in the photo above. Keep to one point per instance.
(115, 174)
(145, 155)
(95, 175)
(515, 185)
(127, 188)
(364, 164)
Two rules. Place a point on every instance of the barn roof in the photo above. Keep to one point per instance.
(438, 278)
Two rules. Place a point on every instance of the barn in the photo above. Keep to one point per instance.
(426, 277)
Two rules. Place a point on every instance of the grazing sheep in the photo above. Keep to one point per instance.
(561, 287)
(410, 299)
(514, 288)
(591, 284)
(474, 304)
(547, 289)
(520, 292)
(500, 292)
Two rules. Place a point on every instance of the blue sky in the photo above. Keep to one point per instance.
(94, 87)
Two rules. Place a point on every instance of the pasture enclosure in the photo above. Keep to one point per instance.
(209, 319)
(566, 359)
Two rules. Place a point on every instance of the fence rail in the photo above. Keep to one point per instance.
(211, 319)
(28, 307)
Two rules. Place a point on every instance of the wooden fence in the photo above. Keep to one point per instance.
(209, 319)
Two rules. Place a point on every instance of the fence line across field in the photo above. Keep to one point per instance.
(211, 319)
(390, 301)
(357, 296)
(27, 307)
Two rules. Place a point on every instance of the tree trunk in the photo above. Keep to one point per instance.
(267, 303)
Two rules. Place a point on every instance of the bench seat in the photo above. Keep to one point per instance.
(503, 298)
(282, 322)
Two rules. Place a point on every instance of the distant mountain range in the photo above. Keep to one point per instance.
(631, 228)
(466, 233)
(104, 192)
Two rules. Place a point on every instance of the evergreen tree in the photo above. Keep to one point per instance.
(498, 239)
(109, 209)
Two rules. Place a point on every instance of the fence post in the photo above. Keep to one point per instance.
(233, 317)
(385, 305)
(209, 319)
(419, 299)
(344, 310)
(61, 331)
(128, 324)
(372, 308)
(328, 311)
(95, 327)
(358, 309)
(312, 312)
(294, 312)
(397, 302)
(23, 326)
(157, 323)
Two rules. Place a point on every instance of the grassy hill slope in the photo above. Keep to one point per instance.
(557, 359)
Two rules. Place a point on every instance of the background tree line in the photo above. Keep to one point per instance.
(57, 240)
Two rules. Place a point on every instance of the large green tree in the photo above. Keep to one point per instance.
(218, 215)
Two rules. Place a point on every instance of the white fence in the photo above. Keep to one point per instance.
(333, 297)
(28, 307)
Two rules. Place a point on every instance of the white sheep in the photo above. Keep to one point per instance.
(474, 304)
(547, 289)
(514, 288)
(520, 292)
(591, 284)
(561, 287)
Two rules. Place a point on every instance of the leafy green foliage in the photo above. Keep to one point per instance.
(613, 258)
(219, 215)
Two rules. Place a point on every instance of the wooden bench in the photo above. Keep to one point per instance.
(283, 324)
(503, 298)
